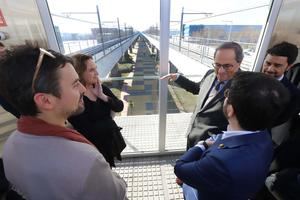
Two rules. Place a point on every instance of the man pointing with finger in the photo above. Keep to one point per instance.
(208, 117)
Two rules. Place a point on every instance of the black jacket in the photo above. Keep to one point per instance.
(97, 124)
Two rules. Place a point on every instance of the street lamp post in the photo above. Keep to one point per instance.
(68, 14)
(99, 22)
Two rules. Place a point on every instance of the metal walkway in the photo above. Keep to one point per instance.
(150, 178)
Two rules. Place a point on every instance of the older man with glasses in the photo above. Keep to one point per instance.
(43, 159)
(208, 117)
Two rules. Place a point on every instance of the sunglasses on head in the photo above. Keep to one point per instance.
(43, 52)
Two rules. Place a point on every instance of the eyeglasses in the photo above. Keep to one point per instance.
(38, 65)
(225, 66)
(226, 93)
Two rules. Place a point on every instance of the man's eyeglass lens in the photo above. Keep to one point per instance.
(225, 66)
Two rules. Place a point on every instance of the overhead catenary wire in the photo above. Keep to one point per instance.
(222, 14)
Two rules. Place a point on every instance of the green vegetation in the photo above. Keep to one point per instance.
(125, 68)
(126, 58)
(186, 100)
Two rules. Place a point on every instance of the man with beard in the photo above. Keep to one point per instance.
(43, 159)
(234, 165)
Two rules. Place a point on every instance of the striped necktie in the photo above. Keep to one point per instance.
(219, 85)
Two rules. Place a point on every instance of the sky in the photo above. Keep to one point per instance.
(141, 14)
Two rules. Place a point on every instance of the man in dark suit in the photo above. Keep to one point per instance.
(208, 117)
(278, 60)
(283, 183)
(234, 164)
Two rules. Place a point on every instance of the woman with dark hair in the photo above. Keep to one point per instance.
(96, 122)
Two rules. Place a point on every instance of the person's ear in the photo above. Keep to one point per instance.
(44, 101)
(230, 111)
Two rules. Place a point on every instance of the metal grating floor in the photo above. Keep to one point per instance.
(141, 132)
(150, 178)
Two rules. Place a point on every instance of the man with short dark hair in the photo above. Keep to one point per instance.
(234, 165)
(3, 102)
(43, 159)
(278, 60)
(208, 117)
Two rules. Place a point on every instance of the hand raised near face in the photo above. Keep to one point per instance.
(98, 91)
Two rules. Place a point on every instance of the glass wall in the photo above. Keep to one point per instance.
(196, 29)
(21, 23)
(79, 27)
(286, 28)
(128, 64)
(124, 39)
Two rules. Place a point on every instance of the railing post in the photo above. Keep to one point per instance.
(181, 29)
(100, 30)
(120, 41)
(164, 60)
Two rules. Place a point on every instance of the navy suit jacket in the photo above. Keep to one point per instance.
(294, 106)
(232, 168)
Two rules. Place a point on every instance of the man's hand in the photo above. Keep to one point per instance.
(172, 77)
(209, 142)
